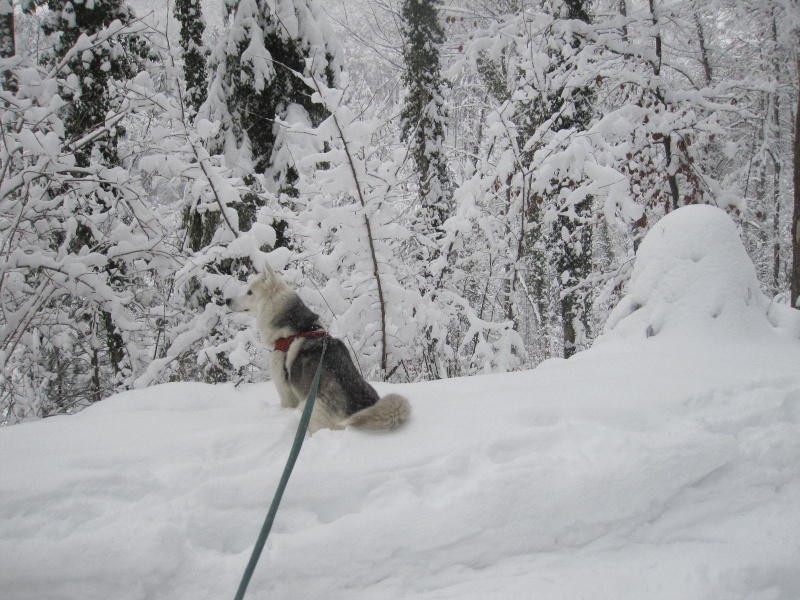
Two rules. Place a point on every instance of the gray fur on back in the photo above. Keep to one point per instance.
(341, 387)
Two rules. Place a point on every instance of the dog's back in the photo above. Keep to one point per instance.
(347, 396)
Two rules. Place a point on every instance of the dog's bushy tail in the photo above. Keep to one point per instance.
(387, 413)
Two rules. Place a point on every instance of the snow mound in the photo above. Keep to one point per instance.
(693, 275)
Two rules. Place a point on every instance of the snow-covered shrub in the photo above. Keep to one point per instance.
(80, 242)
(692, 274)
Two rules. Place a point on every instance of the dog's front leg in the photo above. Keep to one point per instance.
(288, 399)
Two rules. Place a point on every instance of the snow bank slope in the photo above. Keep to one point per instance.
(665, 467)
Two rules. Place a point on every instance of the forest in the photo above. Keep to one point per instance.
(456, 187)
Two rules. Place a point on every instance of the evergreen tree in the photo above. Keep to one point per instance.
(93, 69)
(424, 114)
(7, 45)
(254, 88)
(573, 229)
(423, 122)
(190, 16)
(90, 73)
(538, 82)
(75, 308)
(254, 84)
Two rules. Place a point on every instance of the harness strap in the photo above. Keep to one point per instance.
(283, 344)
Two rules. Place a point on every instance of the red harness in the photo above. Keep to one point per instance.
(283, 344)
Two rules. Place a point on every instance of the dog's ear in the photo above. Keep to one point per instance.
(266, 272)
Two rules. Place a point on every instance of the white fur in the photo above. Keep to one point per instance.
(264, 294)
(287, 395)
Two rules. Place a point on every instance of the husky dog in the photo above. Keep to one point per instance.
(295, 332)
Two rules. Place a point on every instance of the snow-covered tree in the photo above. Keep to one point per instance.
(356, 226)
(572, 235)
(253, 86)
(423, 117)
(7, 42)
(190, 15)
(89, 78)
(91, 71)
(254, 83)
(536, 77)
(199, 339)
(77, 233)
(423, 122)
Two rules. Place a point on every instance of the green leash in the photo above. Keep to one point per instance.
(287, 471)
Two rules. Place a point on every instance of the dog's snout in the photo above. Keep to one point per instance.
(228, 301)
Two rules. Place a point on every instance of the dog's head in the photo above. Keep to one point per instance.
(260, 289)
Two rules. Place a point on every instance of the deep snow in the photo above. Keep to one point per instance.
(664, 462)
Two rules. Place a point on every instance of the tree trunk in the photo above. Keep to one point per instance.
(701, 38)
(672, 178)
(777, 162)
(576, 260)
(623, 10)
(795, 283)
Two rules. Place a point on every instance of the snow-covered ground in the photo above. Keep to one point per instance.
(662, 463)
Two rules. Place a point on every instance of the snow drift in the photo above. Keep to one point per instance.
(692, 274)
(662, 463)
